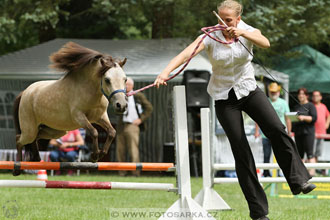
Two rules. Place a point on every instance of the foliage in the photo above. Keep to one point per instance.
(288, 24)
(24, 23)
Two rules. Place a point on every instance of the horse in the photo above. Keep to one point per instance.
(48, 109)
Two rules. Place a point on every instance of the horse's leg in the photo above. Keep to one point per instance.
(35, 156)
(32, 152)
(82, 120)
(26, 138)
(19, 148)
(104, 122)
(28, 131)
(94, 134)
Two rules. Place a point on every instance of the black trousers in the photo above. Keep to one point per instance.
(305, 144)
(258, 107)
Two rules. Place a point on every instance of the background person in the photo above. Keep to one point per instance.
(321, 124)
(129, 126)
(66, 148)
(234, 89)
(304, 130)
(281, 107)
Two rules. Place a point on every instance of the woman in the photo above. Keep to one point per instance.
(233, 87)
(304, 130)
(66, 148)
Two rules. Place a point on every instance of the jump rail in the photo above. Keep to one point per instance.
(85, 185)
(228, 166)
(270, 180)
(86, 166)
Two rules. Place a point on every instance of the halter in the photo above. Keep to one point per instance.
(113, 93)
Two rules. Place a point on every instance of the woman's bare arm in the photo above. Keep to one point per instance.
(177, 61)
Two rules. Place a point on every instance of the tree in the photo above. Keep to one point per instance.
(28, 22)
(287, 23)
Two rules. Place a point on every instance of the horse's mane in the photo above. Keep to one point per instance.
(72, 56)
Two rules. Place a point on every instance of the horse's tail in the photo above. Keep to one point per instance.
(15, 113)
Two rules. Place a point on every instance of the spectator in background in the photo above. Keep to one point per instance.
(321, 124)
(129, 126)
(66, 148)
(281, 107)
(304, 129)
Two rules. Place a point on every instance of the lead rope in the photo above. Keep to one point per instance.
(208, 31)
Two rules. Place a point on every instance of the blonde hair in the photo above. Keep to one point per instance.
(231, 4)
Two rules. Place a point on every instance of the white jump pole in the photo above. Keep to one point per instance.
(271, 180)
(185, 204)
(231, 166)
(208, 198)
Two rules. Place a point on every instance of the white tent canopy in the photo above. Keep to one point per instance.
(145, 58)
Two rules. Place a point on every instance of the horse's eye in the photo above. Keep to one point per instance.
(107, 80)
(125, 80)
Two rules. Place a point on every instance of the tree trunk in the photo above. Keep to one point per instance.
(162, 20)
(46, 33)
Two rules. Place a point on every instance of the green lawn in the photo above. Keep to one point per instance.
(102, 204)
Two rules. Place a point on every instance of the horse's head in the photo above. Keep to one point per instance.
(113, 85)
(72, 57)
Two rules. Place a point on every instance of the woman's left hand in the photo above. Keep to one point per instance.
(235, 32)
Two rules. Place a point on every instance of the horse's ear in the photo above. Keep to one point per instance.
(122, 63)
(98, 56)
(102, 61)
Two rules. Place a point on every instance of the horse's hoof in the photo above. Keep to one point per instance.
(94, 157)
(16, 172)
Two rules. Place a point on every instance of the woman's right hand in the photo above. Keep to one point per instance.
(161, 80)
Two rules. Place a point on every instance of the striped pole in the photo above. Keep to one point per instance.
(85, 185)
(9, 165)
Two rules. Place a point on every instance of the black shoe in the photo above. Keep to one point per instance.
(262, 218)
(306, 188)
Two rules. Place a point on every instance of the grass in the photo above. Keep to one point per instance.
(64, 204)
